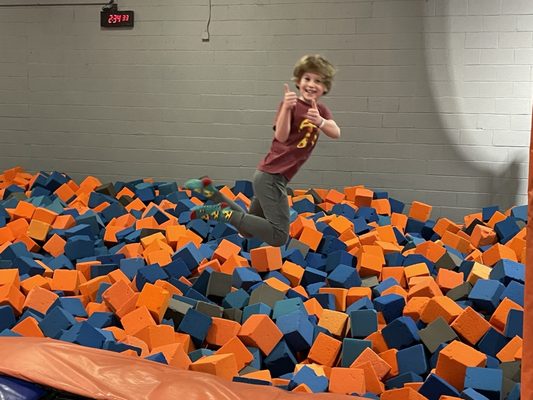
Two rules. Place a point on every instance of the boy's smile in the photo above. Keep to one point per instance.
(311, 87)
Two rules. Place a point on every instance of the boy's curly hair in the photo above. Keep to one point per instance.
(317, 64)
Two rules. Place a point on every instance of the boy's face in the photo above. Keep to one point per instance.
(311, 86)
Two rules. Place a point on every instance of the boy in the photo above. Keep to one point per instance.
(299, 120)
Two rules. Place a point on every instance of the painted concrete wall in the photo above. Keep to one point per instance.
(433, 96)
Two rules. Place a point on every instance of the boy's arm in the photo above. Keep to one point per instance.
(331, 129)
(328, 126)
(283, 122)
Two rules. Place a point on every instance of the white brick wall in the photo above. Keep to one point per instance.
(433, 96)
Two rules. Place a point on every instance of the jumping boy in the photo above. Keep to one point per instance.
(298, 123)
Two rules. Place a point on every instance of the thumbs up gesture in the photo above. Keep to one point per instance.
(289, 99)
(313, 114)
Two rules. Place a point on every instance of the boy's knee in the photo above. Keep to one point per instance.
(280, 238)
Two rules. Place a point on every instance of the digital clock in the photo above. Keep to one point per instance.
(113, 18)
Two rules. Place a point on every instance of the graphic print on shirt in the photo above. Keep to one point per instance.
(310, 129)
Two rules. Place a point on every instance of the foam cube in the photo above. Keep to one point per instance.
(486, 381)
(363, 323)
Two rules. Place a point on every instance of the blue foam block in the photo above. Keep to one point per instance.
(130, 266)
(391, 305)
(515, 324)
(471, 394)
(492, 342)
(506, 271)
(487, 381)
(485, 294)
(506, 229)
(89, 336)
(344, 276)
(297, 330)
(157, 357)
(7, 317)
(401, 333)
(257, 308)
(434, 387)
(196, 325)
(286, 306)
(55, 321)
(351, 349)
(401, 379)
(190, 255)
(238, 299)
(281, 360)
(363, 322)
(313, 275)
(149, 274)
(306, 375)
(412, 359)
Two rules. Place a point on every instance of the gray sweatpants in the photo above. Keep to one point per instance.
(268, 218)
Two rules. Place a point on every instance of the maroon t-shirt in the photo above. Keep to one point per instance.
(287, 158)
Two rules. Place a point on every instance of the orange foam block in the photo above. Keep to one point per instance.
(444, 224)
(136, 320)
(311, 237)
(235, 346)
(325, 350)
(67, 281)
(369, 264)
(405, 393)
(156, 335)
(155, 299)
(448, 279)
(261, 332)
(510, 351)
(222, 331)
(298, 224)
(453, 361)
(498, 318)
(420, 211)
(174, 354)
(483, 236)
(334, 321)
(293, 272)
(496, 253)
(380, 366)
(24, 210)
(267, 258)
(440, 306)
(55, 246)
(28, 327)
(38, 230)
(341, 224)
(414, 307)
(10, 294)
(63, 222)
(90, 288)
(347, 380)
(10, 276)
(221, 365)
(356, 293)
(225, 250)
(36, 280)
(470, 325)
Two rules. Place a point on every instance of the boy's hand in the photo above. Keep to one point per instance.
(290, 99)
(313, 114)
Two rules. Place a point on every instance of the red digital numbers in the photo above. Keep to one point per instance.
(117, 18)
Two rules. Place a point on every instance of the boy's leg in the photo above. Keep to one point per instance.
(270, 200)
(205, 187)
(255, 208)
(271, 196)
